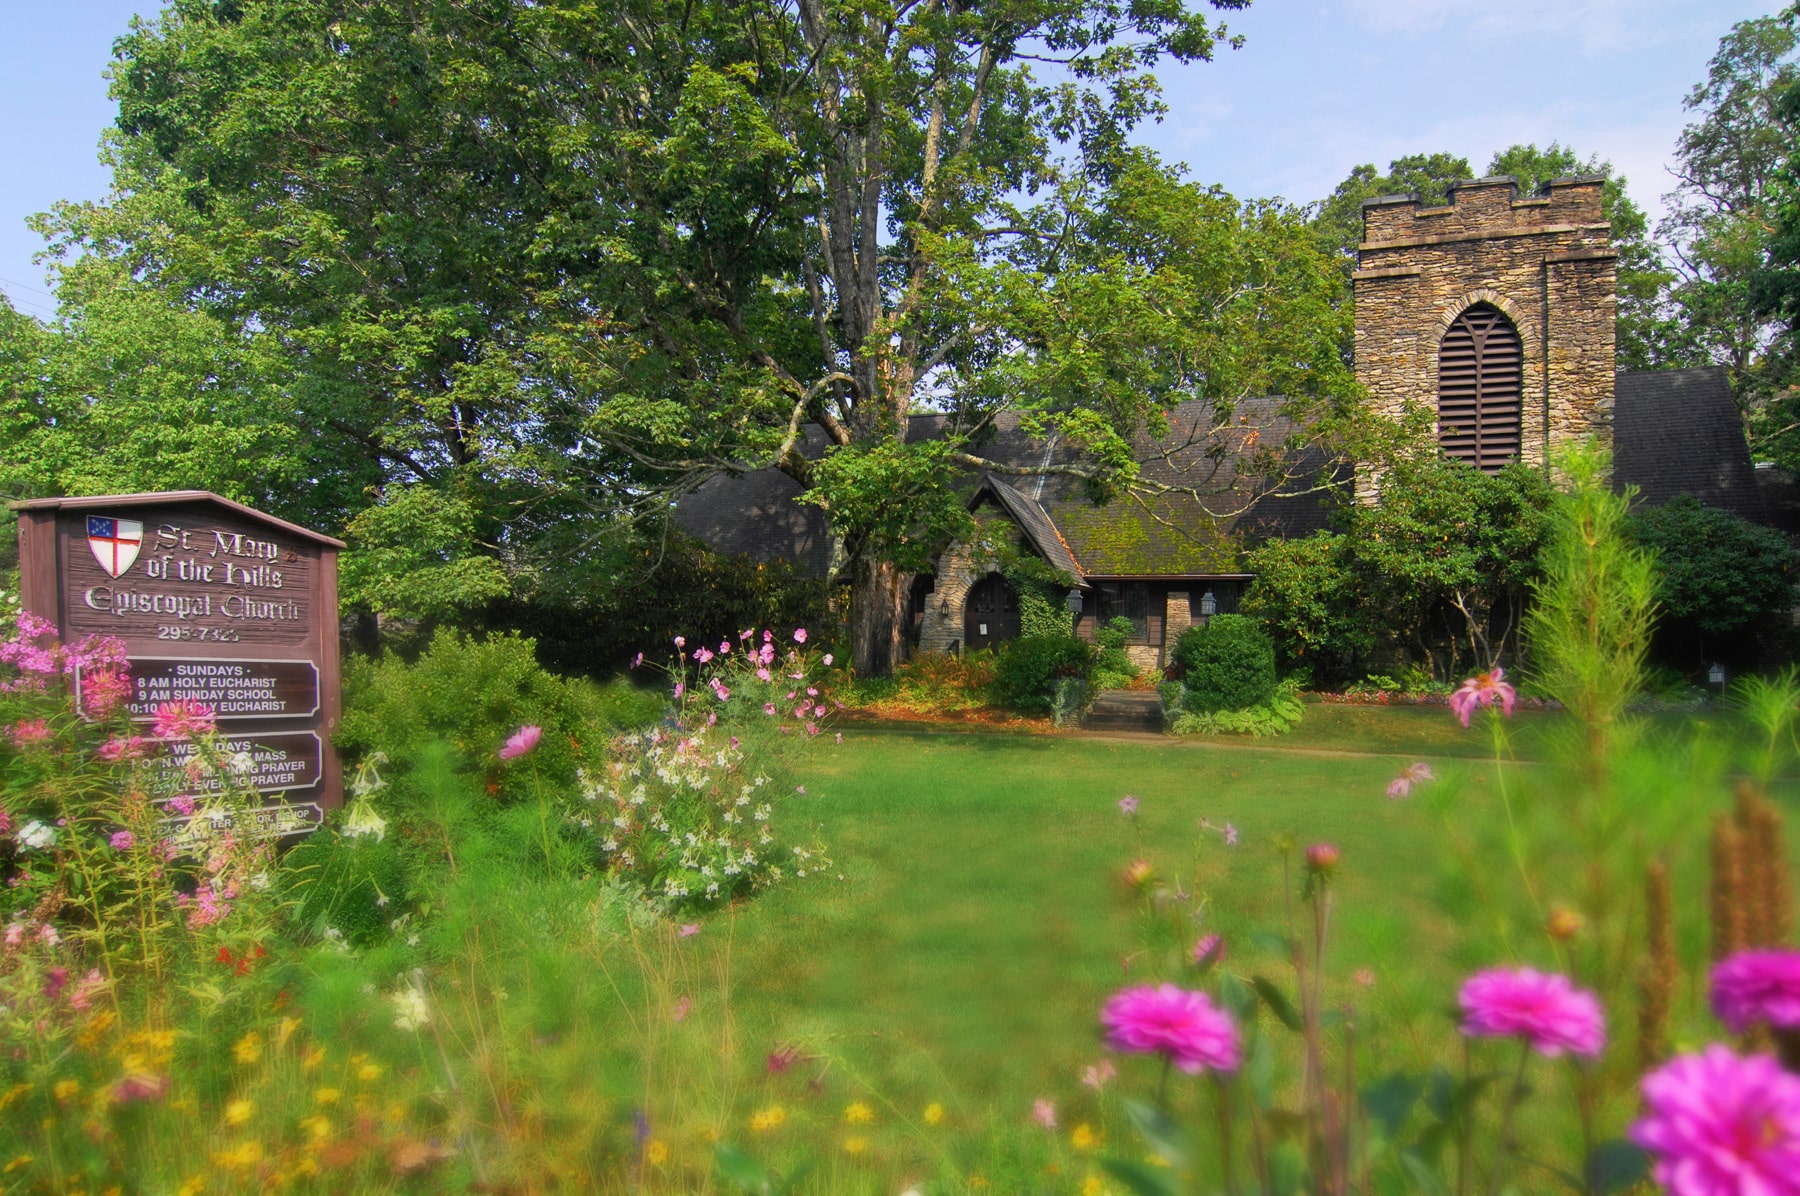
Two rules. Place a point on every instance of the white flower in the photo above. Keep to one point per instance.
(412, 1009)
(35, 834)
(363, 820)
(243, 764)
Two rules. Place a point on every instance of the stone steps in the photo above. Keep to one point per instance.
(1125, 710)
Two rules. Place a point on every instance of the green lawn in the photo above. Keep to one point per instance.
(983, 918)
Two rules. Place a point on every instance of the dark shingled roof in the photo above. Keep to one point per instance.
(755, 515)
(1678, 432)
(1034, 523)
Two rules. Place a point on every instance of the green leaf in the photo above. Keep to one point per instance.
(1142, 1178)
(1277, 1002)
(739, 1168)
(1236, 996)
(792, 1182)
(1164, 1136)
(1259, 1071)
(1390, 1099)
(1273, 942)
(1287, 1169)
(1616, 1166)
(1424, 1179)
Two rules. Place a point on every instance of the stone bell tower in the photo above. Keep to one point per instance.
(1496, 311)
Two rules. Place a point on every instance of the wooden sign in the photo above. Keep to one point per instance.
(217, 603)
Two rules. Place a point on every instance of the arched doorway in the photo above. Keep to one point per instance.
(1480, 365)
(990, 613)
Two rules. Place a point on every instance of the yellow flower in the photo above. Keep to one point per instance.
(64, 1089)
(249, 1048)
(239, 1158)
(656, 1153)
(857, 1113)
(20, 1161)
(934, 1113)
(1092, 1186)
(192, 1186)
(327, 1096)
(855, 1145)
(711, 1133)
(369, 1071)
(767, 1119)
(12, 1094)
(312, 1058)
(237, 1112)
(1083, 1137)
(978, 1181)
(317, 1126)
(306, 1167)
(1156, 1160)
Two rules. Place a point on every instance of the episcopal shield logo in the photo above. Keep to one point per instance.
(115, 542)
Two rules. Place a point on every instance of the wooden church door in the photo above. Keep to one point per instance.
(990, 613)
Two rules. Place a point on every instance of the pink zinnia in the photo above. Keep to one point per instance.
(1186, 1027)
(521, 742)
(1720, 1125)
(1544, 1009)
(1483, 689)
(184, 719)
(1754, 987)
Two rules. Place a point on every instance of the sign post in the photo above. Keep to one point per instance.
(217, 603)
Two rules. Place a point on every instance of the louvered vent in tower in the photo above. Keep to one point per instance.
(1479, 388)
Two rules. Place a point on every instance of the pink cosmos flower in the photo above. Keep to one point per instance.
(681, 641)
(1044, 1113)
(82, 995)
(521, 741)
(140, 1087)
(718, 688)
(782, 1059)
(682, 1006)
(1185, 1027)
(1365, 977)
(28, 733)
(769, 708)
(762, 674)
(724, 647)
(1128, 805)
(1096, 1075)
(744, 635)
(689, 929)
(1760, 986)
(1413, 774)
(637, 660)
(1231, 835)
(680, 688)
(184, 719)
(827, 660)
(1720, 1125)
(1209, 950)
(1544, 1009)
(799, 635)
(702, 655)
(1483, 689)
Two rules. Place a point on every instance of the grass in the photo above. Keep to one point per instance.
(983, 918)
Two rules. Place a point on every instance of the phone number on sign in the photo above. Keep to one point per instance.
(221, 635)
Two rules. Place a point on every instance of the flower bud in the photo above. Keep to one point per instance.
(1139, 873)
(1322, 858)
(1563, 924)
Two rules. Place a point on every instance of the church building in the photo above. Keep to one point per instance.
(1496, 309)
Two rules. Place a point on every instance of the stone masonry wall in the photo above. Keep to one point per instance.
(959, 568)
(1546, 261)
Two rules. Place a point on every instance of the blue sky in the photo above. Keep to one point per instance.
(1320, 86)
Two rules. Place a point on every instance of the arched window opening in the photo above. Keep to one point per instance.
(1480, 376)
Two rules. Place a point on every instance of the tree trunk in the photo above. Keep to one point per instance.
(877, 602)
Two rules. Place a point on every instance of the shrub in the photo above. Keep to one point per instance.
(1719, 573)
(1026, 670)
(1228, 664)
(1112, 667)
(1279, 715)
